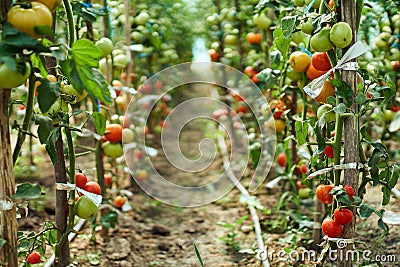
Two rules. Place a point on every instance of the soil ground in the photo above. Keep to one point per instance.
(156, 234)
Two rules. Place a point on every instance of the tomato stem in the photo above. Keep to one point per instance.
(70, 22)
(27, 117)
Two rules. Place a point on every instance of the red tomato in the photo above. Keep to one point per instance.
(323, 195)
(93, 187)
(343, 216)
(320, 61)
(329, 152)
(80, 180)
(350, 191)
(277, 108)
(281, 159)
(113, 133)
(34, 257)
(108, 179)
(119, 201)
(331, 228)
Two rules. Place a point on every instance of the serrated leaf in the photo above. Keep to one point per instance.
(282, 43)
(331, 100)
(51, 236)
(366, 210)
(301, 131)
(28, 191)
(343, 89)
(288, 24)
(48, 94)
(84, 77)
(394, 126)
(340, 109)
(99, 122)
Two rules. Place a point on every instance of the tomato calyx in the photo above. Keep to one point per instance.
(24, 5)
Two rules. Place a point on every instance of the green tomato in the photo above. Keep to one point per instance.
(231, 39)
(321, 42)
(328, 111)
(298, 3)
(142, 18)
(262, 21)
(341, 34)
(389, 115)
(305, 193)
(71, 95)
(298, 37)
(315, 5)
(85, 208)
(294, 76)
(113, 150)
(307, 27)
(10, 78)
(105, 45)
(121, 61)
(127, 136)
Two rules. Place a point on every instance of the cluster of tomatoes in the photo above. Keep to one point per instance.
(333, 227)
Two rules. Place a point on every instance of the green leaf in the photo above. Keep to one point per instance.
(361, 99)
(81, 70)
(51, 236)
(110, 219)
(198, 253)
(383, 225)
(275, 59)
(366, 210)
(282, 43)
(45, 127)
(39, 62)
(386, 195)
(28, 191)
(343, 89)
(48, 94)
(320, 139)
(99, 122)
(44, 30)
(20, 40)
(2, 243)
(340, 109)
(268, 76)
(288, 24)
(51, 145)
(301, 131)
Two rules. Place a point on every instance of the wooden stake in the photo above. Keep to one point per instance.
(351, 138)
(8, 218)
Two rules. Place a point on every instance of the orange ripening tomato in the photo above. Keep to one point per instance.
(312, 73)
(214, 55)
(327, 90)
(253, 38)
(113, 133)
